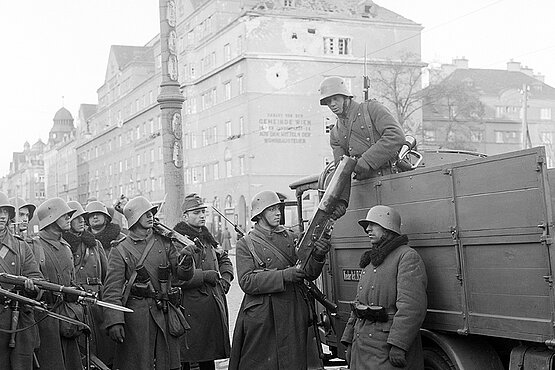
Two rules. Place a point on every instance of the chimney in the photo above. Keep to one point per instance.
(540, 77)
(513, 66)
(527, 71)
(460, 63)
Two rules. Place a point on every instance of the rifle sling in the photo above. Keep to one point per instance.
(285, 259)
(133, 276)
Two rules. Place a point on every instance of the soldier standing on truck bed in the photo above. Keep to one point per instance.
(390, 306)
(365, 130)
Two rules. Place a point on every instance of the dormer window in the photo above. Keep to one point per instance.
(289, 3)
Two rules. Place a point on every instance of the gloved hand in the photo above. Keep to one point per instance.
(362, 169)
(293, 275)
(226, 282)
(339, 210)
(397, 357)
(117, 333)
(210, 277)
(321, 248)
(348, 354)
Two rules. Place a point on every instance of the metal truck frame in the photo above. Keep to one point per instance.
(483, 227)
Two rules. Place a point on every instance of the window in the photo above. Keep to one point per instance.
(429, 135)
(152, 155)
(213, 59)
(502, 137)
(242, 165)
(240, 84)
(545, 113)
(241, 126)
(239, 44)
(192, 71)
(227, 52)
(120, 166)
(216, 171)
(160, 153)
(193, 141)
(227, 90)
(151, 122)
(204, 173)
(138, 132)
(337, 45)
(204, 138)
(214, 134)
(110, 170)
(120, 143)
(476, 136)
(160, 123)
(186, 141)
(228, 168)
(214, 96)
(228, 129)
(288, 3)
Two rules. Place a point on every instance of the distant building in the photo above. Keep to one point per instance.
(26, 176)
(250, 72)
(501, 93)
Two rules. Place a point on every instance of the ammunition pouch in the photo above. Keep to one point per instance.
(74, 311)
(370, 313)
(174, 296)
(142, 274)
(143, 290)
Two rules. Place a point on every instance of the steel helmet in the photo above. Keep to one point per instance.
(51, 210)
(98, 207)
(385, 216)
(331, 86)
(79, 211)
(5, 203)
(261, 201)
(20, 203)
(137, 207)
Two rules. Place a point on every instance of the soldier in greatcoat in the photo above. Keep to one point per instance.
(91, 264)
(101, 225)
(25, 213)
(365, 130)
(273, 322)
(383, 329)
(58, 348)
(204, 297)
(16, 258)
(143, 337)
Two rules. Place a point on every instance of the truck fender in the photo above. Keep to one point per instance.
(466, 353)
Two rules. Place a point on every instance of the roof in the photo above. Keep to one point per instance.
(87, 110)
(496, 81)
(125, 54)
(62, 114)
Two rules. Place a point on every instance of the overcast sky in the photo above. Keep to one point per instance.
(59, 48)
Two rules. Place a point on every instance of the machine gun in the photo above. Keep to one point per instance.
(321, 224)
(408, 150)
(189, 247)
(82, 296)
(240, 232)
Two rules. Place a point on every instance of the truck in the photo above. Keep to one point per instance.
(483, 227)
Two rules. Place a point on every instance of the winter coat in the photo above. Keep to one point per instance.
(16, 258)
(205, 305)
(91, 264)
(370, 131)
(110, 233)
(56, 264)
(273, 321)
(146, 329)
(399, 285)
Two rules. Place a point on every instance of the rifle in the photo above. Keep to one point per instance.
(321, 224)
(189, 247)
(240, 232)
(82, 296)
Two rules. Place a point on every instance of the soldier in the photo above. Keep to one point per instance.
(204, 297)
(365, 130)
(25, 214)
(144, 337)
(59, 348)
(273, 322)
(390, 306)
(16, 258)
(101, 225)
(90, 263)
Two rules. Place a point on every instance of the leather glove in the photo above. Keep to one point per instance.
(226, 283)
(339, 210)
(348, 354)
(117, 333)
(210, 277)
(293, 275)
(321, 248)
(397, 357)
(362, 169)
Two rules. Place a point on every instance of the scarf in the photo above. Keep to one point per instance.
(193, 232)
(75, 240)
(379, 252)
(110, 232)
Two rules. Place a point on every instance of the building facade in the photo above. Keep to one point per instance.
(250, 72)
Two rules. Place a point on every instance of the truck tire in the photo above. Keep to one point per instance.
(435, 359)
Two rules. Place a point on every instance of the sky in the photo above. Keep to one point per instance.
(56, 51)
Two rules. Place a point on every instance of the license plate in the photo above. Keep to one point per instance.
(352, 274)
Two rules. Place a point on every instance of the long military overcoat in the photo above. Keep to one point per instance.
(273, 321)
(399, 285)
(205, 306)
(16, 258)
(146, 329)
(56, 264)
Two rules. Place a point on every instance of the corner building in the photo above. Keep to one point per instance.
(250, 72)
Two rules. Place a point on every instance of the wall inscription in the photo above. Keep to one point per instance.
(284, 128)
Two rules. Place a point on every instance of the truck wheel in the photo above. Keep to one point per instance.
(435, 359)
